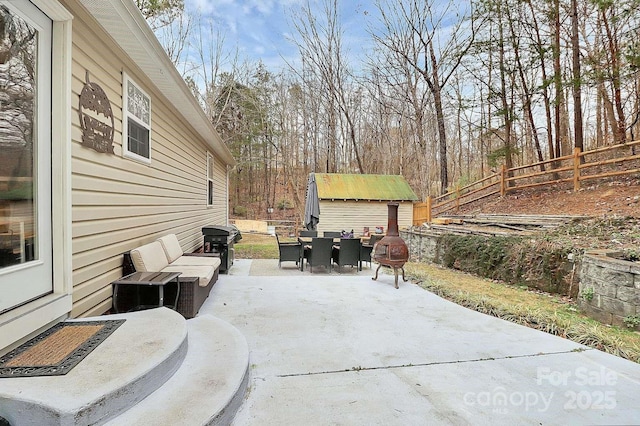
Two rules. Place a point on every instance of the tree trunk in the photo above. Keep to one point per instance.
(577, 83)
(507, 105)
(436, 90)
(557, 78)
(525, 91)
(619, 129)
(545, 94)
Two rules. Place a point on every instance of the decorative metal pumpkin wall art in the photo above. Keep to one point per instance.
(96, 118)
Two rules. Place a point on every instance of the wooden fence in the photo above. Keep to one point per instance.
(579, 167)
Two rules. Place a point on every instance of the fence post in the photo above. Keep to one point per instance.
(429, 209)
(576, 169)
(457, 198)
(503, 180)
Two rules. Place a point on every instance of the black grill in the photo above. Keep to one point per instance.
(220, 239)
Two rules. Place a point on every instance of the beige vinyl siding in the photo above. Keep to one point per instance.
(338, 215)
(119, 203)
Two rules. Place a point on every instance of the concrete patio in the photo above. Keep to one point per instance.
(343, 349)
(277, 346)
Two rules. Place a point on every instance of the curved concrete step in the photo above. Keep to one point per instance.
(138, 358)
(208, 388)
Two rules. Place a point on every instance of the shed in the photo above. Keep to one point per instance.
(359, 201)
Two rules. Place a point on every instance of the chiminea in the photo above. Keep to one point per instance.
(391, 251)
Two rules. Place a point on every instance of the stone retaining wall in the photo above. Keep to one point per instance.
(423, 245)
(609, 287)
(427, 246)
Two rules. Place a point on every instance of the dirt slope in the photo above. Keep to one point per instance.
(619, 198)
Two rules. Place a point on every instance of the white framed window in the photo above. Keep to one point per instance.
(136, 121)
(210, 168)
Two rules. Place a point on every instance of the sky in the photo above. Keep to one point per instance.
(262, 29)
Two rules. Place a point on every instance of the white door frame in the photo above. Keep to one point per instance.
(30, 279)
(22, 323)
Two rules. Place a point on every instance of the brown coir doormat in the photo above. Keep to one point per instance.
(56, 351)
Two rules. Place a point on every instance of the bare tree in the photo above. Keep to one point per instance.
(506, 87)
(402, 103)
(577, 78)
(415, 30)
(212, 65)
(320, 44)
(524, 86)
(610, 22)
(557, 76)
(160, 13)
(175, 38)
(539, 51)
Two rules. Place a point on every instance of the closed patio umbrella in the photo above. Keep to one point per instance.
(312, 204)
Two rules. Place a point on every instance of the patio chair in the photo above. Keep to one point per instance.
(332, 234)
(319, 254)
(10, 246)
(365, 254)
(289, 252)
(305, 233)
(374, 239)
(367, 248)
(348, 253)
(8, 255)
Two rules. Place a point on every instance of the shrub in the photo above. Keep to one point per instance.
(284, 204)
(587, 294)
(632, 255)
(240, 211)
(632, 321)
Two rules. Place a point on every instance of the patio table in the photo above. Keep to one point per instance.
(140, 280)
(306, 247)
(306, 242)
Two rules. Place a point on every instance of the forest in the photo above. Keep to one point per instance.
(451, 91)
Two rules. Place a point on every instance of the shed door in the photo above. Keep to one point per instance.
(25, 154)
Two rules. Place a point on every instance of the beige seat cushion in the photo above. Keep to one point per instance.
(171, 247)
(213, 262)
(203, 273)
(149, 258)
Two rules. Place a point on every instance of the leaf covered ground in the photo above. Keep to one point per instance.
(609, 214)
(619, 198)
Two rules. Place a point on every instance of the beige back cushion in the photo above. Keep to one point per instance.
(149, 258)
(171, 247)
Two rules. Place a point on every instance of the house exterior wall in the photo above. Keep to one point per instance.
(338, 215)
(119, 203)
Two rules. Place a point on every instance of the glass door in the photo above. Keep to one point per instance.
(25, 154)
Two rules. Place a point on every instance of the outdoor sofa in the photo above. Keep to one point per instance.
(199, 270)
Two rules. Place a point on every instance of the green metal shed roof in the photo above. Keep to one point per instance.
(363, 187)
